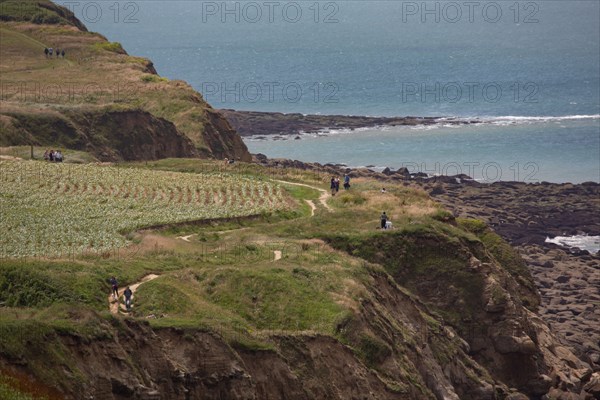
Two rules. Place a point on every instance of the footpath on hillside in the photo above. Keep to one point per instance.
(322, 199)
(114, 304)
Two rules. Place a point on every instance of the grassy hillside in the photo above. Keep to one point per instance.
(423, 311)
(97, 97)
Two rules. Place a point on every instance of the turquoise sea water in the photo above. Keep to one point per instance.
(554, 151)
(530, 67)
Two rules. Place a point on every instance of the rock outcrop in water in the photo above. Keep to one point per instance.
(255, 123)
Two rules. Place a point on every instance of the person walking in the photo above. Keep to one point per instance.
(332, 186)
(114, 288)
(128, 293)
(46, 51)
(62, 53)
(346, 181)
(337, 184)
(384, 219)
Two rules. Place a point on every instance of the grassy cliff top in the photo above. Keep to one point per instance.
(94, 76)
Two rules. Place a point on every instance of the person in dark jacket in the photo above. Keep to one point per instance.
(128, 293)
(114, 287)
(384, 219)
(346, 181)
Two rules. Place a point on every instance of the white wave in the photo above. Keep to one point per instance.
(583, 242)
(515, 119)
(442, 122)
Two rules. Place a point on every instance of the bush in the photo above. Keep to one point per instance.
(114, 47)
(153, 78)
(373, 350)
(25, 288)
(443, 216)
(472, 225)
(350, 198)
(43, 18)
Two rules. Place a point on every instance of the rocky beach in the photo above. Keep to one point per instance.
(526, 214)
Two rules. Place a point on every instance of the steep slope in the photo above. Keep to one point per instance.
(432, 309)
(99, 78)
(484, 291)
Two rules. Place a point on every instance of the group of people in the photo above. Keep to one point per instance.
(52, 155)
(128, 293)
(49, 52)
(335, 184)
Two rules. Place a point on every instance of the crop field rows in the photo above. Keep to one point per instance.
(49, 209)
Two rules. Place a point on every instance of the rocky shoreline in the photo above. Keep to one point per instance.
(523, 214)
(255, 123)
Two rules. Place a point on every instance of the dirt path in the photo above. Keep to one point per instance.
(322, 199)
(312, 206)
(277, 253)
(186, 238)
(114, 305)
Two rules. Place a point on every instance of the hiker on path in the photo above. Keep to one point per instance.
(50, 51)
(128, 293)
(46, 51)
(337, 184)
(384, 219)
(62, 53)
(114, 287)
(346, 181)
(57, 53)
(332, 186)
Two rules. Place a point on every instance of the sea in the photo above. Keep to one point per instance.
(528, 72)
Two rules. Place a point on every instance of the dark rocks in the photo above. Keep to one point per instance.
(514, 344)
(261, 158)
(593, 386)
(437, 190)
(539, 386)
(403, 171)
(252, 123)
(570, 291)
(121, 388)
(548, 264)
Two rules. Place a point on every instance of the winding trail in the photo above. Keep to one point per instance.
(322, 199)
(277, 253)
(114, 305)
(312, 206)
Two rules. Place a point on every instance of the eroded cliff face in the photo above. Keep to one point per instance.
(222, 139)
(389, 348)
(490, 304)
(108, 135)
(467, 330)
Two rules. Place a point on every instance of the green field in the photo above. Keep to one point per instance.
(53, 209)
